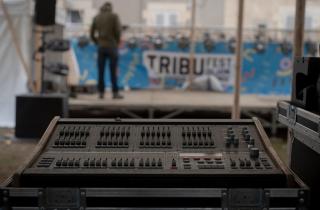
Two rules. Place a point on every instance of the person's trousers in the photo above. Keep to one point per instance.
(105, 54)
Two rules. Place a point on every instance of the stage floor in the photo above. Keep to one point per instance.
(177, 104)
(170, 99)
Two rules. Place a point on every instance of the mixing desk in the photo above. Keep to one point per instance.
(157, 153)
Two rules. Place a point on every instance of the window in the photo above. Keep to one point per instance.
(290, 22)
(173, 20)
(166, 19)
(166, 13)
(308, 23)
(74, 16)
(160, 20)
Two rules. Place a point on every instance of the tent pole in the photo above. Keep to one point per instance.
(299, 27)
(236, 106)
(193, 42)
(297, 51)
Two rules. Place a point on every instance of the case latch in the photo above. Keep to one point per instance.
(61, 198)
(292, 115)
(243, 199)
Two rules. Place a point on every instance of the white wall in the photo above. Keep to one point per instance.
(210, 13)
(274, 13)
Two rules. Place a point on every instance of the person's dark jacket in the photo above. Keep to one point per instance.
(106, 28)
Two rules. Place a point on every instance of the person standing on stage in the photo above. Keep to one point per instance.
(106, 33)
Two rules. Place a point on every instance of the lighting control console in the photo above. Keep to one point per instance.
(154, 153)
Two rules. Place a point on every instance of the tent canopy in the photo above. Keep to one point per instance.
(12, 75)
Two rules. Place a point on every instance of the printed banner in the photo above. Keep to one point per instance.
(178, 65)
(267, 72)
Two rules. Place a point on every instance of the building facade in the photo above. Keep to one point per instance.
(272, 14)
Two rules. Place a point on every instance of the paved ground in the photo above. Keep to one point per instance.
(14, 152)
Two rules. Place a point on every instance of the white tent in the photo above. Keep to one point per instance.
(13, 78)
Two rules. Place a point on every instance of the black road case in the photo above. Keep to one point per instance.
(304, 144)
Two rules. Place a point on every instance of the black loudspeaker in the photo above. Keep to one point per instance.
(45, 12)
(305, 84)
(34, 113)
(305, 163)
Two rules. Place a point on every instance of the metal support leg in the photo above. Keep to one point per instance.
(151, 113)
(130, 114)
(274, 122)
(173, 114)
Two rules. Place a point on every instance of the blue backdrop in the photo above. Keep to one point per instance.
(263, 73)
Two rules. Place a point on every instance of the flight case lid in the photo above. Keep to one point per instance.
(302, 123)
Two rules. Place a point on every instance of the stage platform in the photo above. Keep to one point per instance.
(174, 103)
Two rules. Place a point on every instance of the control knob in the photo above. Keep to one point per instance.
(254, 153)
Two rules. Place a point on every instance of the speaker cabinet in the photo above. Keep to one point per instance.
(45, 12)
(305, 83)
(34, 113)
(305, 163)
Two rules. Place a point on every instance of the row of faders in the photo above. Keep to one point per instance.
(72, 137)
(155, 137)
(114, 137)
(197, 137)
